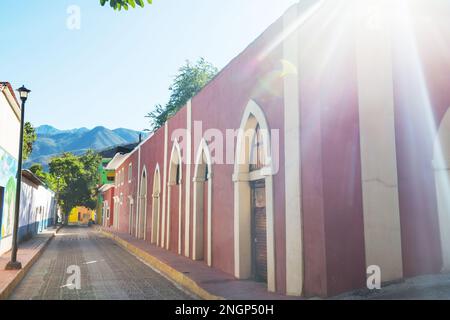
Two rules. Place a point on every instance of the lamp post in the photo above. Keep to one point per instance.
(14, 264)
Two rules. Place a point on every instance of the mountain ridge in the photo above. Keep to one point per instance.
(52, 142)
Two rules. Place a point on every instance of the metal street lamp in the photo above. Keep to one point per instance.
(14, 264)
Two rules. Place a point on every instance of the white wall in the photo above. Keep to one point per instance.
(37, 205)
(9, 127)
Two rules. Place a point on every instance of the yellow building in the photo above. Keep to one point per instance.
(81, 216)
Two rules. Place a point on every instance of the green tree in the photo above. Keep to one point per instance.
(75, 177)
(124, 4)
(38, 171)
(29, 137)
(190, 80)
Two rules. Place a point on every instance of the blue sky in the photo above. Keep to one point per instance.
(114, 69)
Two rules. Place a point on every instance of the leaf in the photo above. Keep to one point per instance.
(125, 4)
(189, 81)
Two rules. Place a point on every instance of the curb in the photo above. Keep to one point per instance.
(4, 295)
(175, 275)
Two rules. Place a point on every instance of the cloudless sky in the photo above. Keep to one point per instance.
(114, 69)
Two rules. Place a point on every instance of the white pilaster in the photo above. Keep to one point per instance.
(164, 184)
(294, 241)
(188, 159)
(377, 135)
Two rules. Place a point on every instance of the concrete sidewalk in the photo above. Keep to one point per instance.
(29, 251)
(205, 282)
(427, 287)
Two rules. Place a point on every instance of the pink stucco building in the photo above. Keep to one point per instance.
(341, 162)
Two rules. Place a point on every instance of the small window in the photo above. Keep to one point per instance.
(178, 181)
(206, 173)
(130, 172)
(110, 176)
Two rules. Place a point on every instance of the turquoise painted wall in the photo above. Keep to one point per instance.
(8, 172)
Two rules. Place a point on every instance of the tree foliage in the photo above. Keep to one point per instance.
(124, 4)
(29, 137)
(190, 80)
(39, 172)
(73, 177)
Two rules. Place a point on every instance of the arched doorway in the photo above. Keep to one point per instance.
(173, 219)
(441, 164)
(156, 205)
(253, 195)
(202, 204)
(142, 206)
(131, 216)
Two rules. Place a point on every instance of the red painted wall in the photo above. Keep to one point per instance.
(128, 189)
(422, 69)
(333, 224)
(152, 154)
(327, 212)
(109, 196)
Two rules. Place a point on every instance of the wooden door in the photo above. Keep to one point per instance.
(259, 231)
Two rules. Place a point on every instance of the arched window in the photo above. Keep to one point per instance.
(254, 242)
(206, 173)
(202, 243)
(173, 217)
(178, 177)
(257, 156)
(155, 233)
(142, 218)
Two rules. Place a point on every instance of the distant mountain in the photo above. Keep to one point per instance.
(47, 130)
(52, 141)
(127, 134)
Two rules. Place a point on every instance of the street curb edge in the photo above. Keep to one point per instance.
(167, 270)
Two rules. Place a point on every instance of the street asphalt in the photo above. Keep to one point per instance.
(106, 272)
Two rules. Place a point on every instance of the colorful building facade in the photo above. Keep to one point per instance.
(9, 151)
(81, 216)
(320, 151)
(105, 177)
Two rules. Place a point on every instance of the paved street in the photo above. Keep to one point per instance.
(107, 272)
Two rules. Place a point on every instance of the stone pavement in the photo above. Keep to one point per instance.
(107, 272)
(206, 282)
(110, 272)
(210, 283)
(27, 254)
